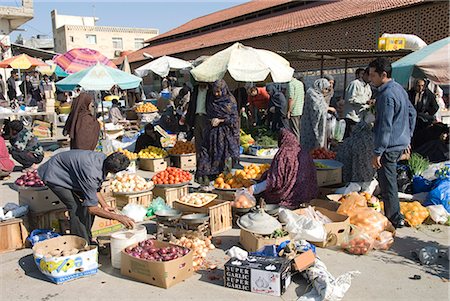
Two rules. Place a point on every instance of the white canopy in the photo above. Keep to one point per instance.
(162, 66)
(245, 64)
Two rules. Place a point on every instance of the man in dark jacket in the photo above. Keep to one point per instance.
(12, 93)
(394, 127)
(424, 101)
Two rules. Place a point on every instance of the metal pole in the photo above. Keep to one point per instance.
(345, 76)
(321, 65)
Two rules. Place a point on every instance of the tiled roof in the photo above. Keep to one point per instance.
(309, 15)
(222, 15)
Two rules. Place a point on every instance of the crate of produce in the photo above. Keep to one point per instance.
(144, 199)
(220, 216)
(185, 162)
(13, 235)
(154, 165)
(170, 194)
(227, 195)
(261, 151)
(39, 201)
(47, 220)
(253, 242)
(329, 172)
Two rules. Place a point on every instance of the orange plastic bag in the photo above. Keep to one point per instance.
(350, 202)
(357, 242)
(384, 241)
(370, 221)
(414, 213)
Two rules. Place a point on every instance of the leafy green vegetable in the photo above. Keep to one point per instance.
(418, 164)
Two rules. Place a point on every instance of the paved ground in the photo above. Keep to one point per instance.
(384, 275)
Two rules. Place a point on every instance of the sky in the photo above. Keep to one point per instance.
(163, 15)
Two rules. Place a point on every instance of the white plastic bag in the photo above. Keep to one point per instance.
(238, 253)
(339, 130)
(135, 212)
(317, 216)
(438, 213)
(349, 188)
(302, 227)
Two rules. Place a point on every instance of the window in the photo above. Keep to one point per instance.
(72, 39)
(91, 39)
(117, 43)
(138, 43)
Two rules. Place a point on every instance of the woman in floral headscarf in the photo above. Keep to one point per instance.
(222, 134)
(314, 118)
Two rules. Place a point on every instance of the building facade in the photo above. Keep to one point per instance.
(11, 18)
(283, 25)
(81, 32)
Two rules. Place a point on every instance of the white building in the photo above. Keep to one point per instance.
(81, 32)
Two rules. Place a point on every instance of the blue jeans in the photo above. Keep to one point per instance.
(387, 176)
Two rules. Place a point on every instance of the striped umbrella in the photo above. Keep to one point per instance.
(79, 59)
(21, 62)
(432, 62)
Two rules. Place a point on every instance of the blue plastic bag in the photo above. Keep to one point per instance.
(39, 235)
(420, 184)
(440, 195)
(266, 251)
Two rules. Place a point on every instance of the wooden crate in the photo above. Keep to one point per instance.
(154, 165)
(144, 199)
(185, 162)
(13, 235)
(105, 190)
(220, 216)
(170, 195)
(47, 220)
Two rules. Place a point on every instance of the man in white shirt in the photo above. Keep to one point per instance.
(357, 94)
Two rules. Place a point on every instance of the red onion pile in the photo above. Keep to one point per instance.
(147, 251)
(30, 179)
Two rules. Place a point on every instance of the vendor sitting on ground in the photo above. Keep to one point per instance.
(75, 177)
(150, 137)
(291, 178)
(25, 147)
(6, 164)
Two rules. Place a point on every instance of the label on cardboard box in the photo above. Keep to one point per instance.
(65, 268)
(257, 274)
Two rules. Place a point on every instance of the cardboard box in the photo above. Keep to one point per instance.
(159, 273)
(184, 162)
(262, 275)
(327, 204)
(104, 226)
(253, 242)
(40, 201)
(326, 177)
(154, 165)
(42, 129)
(303, 261)
(13, 235)
(336, 231)
(65, 268)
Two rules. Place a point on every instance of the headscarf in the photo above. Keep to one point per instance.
(82, 127)
(6, 164)
(225, 105)
(282, 174)
(145, 140)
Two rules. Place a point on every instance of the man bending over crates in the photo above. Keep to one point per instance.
(76, 177)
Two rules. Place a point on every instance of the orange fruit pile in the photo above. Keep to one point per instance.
(182, 147)
(146, 108)
(230, 181)
(172, 175)
(253, 171)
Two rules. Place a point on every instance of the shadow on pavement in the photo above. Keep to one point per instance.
(212, 276)
(403, 248)
(29, 267)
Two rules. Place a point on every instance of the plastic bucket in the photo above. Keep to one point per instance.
(125, 238)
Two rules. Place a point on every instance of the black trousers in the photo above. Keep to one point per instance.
(26, 158)
(80, 219)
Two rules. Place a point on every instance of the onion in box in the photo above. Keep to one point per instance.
(125, 182)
